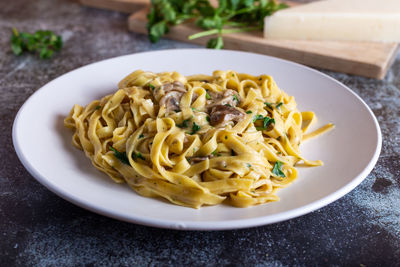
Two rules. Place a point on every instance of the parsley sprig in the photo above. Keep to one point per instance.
(195, 128)
(44, 43)
(266, 121)
(229, 16)
(277, 169)
(121, 156)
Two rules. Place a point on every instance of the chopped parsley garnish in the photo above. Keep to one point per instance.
(208, 96)
(208, 118)
(195, 109)
(233, 75)
(123, 158)
(248, 165)
(152, 87)
(195, 128)
(266, 121)
(120, 155)
(141, 136)
(97, 107)
(277, 170)
(268, 104)
(279, 105)
(214, 153)
(249, 112)
(236, 98)
(257, 117)
(184, 124)
(228, 105)
(137, 155)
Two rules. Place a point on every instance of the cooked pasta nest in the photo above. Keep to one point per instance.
(196, 140)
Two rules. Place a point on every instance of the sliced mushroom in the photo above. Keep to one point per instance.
(171, 101)
(174, 86)
(220, 115)
(228, 97)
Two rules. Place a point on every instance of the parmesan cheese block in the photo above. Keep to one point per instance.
(352, 20)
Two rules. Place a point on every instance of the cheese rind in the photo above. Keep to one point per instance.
(351, 20)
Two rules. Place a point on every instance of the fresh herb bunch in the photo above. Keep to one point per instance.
(42, 42)
(229, 16)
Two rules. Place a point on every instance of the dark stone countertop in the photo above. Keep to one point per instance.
(39, 228)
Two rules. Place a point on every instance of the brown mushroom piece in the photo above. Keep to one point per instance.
(174, 86)
(171, 101)
(228, 97)
(220, 115)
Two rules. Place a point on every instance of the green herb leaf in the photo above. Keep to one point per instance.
(266, 121)
(279, 105)
(157, 30)
(195, 128)
(248, 165)
(97, 107)
(141, 136)
(137, 155)
(121, 156)
(216, 43)
(268, 105)
(277, 169)
(236, 98)
(208, 97)
(249, 112)
(152, 87)
(257, 117)
(208, 118)
(184, 124)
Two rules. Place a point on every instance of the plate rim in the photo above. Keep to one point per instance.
(201, 225)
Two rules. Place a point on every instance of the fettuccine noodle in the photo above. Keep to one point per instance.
(196, 140)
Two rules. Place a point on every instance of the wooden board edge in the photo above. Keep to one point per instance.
(137, 23)
(389, 62)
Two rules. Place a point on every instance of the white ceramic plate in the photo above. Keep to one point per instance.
(349, 151)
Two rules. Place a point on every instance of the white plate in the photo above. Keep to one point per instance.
(349, 151)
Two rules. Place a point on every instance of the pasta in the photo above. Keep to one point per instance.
(196, 140)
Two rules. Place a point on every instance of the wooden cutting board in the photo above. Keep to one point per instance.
(360, 58)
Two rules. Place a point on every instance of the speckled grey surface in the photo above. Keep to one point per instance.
(39, 228)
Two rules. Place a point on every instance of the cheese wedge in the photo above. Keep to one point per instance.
(356, 20)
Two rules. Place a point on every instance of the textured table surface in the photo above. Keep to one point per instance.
(39, 228)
